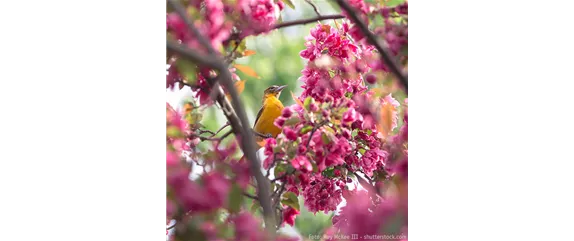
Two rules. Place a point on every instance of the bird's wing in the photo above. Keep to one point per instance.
(258, 115)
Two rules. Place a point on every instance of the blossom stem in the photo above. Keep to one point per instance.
(315, 128)
(306, 21)
(402, 77)
(314, 7)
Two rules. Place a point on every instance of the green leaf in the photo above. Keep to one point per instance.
(242, 45)
(325, 138)
(235, 199)
(255, 206)
(305, 129)
(315, 168)
(292, 121)
(187, 69)
(329, 172)
(289, 3)
(393, 3)
(291, 200)
(354, 133)
(307, 102)
(329, 129)
(362, 151)
(279, 169)
(173, 131)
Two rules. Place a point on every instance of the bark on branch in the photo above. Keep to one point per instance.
(306, 21)
(234, 112)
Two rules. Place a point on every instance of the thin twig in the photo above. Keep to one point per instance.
(314, 7)
(220, 129)
(315, 128)
(225, 135)
(282, 176)
(272, 165)
(372, 189)
(250, 196)
(262, 135)
(170, 227)
(403, 78)
(306, 21)
(207, 131)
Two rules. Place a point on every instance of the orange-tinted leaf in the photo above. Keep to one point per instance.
(386, 118)
(187, 108)
(246, 70)
(248, 52)
(239, 86)
(326, 28)
(296, 99)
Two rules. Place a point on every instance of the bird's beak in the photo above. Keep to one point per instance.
(280, 88)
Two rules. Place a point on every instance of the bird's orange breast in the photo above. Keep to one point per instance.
(272, 109)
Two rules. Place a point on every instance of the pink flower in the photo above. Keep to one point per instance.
(350, 116)
(260, 15)
(286, 112)
(290, 134)
(270, 144)
(321, 195)
(301, 163)
(217, 186)
(289, 215)
(372, 160)
(172, 158)
(279, 122)
(364, 216)
(189, 194)
(247, 227)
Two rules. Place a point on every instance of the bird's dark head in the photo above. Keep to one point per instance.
(274, 90)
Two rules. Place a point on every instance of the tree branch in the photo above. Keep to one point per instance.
(306, 21)
(393, 66)
(234, 112)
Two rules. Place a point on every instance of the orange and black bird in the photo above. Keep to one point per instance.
(271, 109)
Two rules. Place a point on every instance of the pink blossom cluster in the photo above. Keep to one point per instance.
(333, 131)
(259, 15)
(210, 22)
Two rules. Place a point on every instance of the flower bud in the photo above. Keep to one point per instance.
(287, 113)
(371, 79)
(279, 122)
(290, 134)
